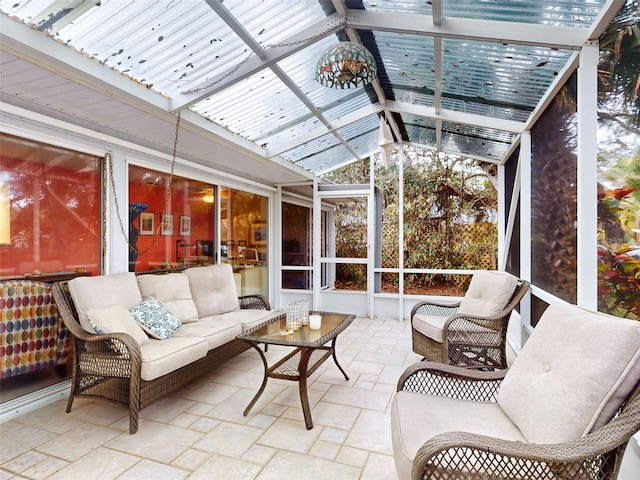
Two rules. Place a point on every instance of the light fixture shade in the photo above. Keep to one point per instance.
(346, 65)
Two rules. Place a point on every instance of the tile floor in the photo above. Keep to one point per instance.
(200, 433)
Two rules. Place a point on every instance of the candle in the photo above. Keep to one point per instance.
(315, 322)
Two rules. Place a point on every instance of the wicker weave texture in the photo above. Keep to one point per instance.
(108, 366)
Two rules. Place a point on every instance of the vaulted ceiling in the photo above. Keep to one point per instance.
(464, 77)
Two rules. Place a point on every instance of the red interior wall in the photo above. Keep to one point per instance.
(55, 218)
(153, 252)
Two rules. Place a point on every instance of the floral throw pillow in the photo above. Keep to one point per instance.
(155, 319)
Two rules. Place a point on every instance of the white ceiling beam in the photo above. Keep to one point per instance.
(480, 158)
(458, 117)
(470, 29)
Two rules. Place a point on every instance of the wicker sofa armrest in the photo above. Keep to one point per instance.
(441, 308)
(254, 302)
(450, 381)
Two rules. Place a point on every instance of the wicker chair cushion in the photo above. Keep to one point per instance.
(213, 289)
(216, 332)
(160, 357)
(416, 417)
(172, 290)
(488, 293)
(115, 319)
(155, 319)
(90, 293)
(429, 325)
(578, 384)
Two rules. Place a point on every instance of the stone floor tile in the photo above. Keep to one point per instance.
(372, 432)
(204, 424)
(294, 466)
(78, 442)
(357, 398)
(102, 463)
(191, 459)
(326, 450)
(366, 367)
(28, 439)
(226, 468)
(49, 418)
(379, 467)
(147, 469)
(333, 435)
(289, 435)
(352, 456)
(156, 441)
(166, 409)
(259, 454)
(99, 412)
(229, 439)
(184, 420)
(261, 421)
(334, 415)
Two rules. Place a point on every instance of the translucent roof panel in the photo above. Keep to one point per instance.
(477, 141)
(568, 13)
(254, 107)
(205, 55)
(493, 74)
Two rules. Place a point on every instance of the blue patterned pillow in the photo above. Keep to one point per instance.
(155, 319)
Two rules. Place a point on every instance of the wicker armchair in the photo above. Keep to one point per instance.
(478, 337)
(444, 417)
(108, 366)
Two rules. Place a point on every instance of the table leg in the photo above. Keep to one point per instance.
(264, 380)
(305, 355)
(335, 359)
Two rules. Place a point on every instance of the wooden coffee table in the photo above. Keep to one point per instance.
(310, 352)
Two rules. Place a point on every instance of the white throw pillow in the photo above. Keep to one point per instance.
(116, 319)
(155, 319)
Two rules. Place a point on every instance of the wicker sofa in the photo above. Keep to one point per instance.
(187, 323)
(565, 409)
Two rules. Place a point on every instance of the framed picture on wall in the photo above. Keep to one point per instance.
(259, 233)
(167, 224)
(147, 223)
(185, 225)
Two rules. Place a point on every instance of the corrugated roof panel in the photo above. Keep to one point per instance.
(319, 144)
(470, 141)
(357, 98)
(327, 159)
(255, 106)
(512, 76)
(420, 130)
(489, 110)
(365, 144)
(568, 13)
(367, 124)
(283, 136)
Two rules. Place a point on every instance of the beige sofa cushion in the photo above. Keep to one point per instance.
(116, 319)
(90, 293)
(572, 374)
(173, 290)
(488, 293)
(213, 289)
(415, 418)
(160, 357)
(249, 318)
(215, 332)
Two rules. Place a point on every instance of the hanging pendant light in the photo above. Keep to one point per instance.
(346, 65)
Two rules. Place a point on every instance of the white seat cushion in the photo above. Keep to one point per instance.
(572, 374)
(160, 357)
(215, 332)
(249, 318)
(213, 289)
(415, 418)
(172, 290)
(488, 293)
(429, 325)
(90, 293)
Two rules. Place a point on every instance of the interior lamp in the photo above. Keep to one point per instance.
(346, 65)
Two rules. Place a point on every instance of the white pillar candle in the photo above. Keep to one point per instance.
(315, 322)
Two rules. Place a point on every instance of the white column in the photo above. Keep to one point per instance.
(502, 209)
(588, 176)
(401, 233)
(525, 229)
(117, 253)
(317, 247)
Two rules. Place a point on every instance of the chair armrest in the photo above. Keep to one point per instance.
(442, 308)
(254, 302)
(450, 381)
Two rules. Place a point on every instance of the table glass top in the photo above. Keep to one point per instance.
(275, 332)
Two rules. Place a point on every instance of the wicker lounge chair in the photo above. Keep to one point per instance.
(564, 410)
(472, 332)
